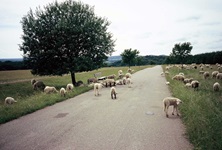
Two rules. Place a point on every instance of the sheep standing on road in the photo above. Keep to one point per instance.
(50, 89)
(129, 82)
(10, 100)
(97, 87)
(171, 101)
(113, 92)
(216, 86)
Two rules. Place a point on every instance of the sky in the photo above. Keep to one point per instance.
(152, 27)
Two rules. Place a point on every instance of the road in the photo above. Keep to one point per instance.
(134, 121)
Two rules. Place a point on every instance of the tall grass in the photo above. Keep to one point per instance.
(30, 100)
(201, 110)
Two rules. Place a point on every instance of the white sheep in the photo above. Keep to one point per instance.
(214, 74)
(188, 85)
(178, 77)
(119, 82)
(129, 82)
(10, 100)
(97, 87)
(219, 76)
(62, 92)
(120, 74)
(206, 75)
(128, 75)
(113, 92)
(50, 89)
(113, 76)
(171, 101)
(110, 82)
(216, 86)
(69, 87)
(124, 80)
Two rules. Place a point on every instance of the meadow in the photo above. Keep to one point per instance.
(17, 84)
(201, 109)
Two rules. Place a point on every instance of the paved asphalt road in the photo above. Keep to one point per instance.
(134, 121)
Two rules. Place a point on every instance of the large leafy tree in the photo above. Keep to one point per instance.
(129, 56)
(65, 38)
(180, 52)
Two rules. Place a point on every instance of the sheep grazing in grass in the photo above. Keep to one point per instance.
(195, 84)
(178, 77)
(113, 92)
(216, 86)
(33, 81)
(97, 87)
(38, 85)
(219, 76)
(206, 75)
(214, 74)
(171, 101)
(92, 80)
(69, 87)
(50, 89)
(188, 85)
(187, 80)
(10, 100)
(62, 92)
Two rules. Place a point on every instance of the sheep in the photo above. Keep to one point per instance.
(129, 82)
(113, 92)
(171, 101)
(33, 81)
(119, 82)
(214, 74)
(79, 83)
(120, 74)
(110, 82)
(124, 80)
(128, 75)
(113, 76)
(201, 72)
(187, 80)
(69, 87)
(178, 77)
(50, 89)
(38, 85)
(92, 80)
(195, 84)
(10, 100)
(206, 75)
(130, 71)
(216, 86)
(62, 92)
(97, 87)
(219, 76)
(188, 85)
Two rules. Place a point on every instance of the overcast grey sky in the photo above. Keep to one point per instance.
(150, 26)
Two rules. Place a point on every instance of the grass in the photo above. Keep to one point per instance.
(201, 110)
(30, 100)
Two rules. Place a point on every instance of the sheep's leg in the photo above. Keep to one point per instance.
(173, 110)
(111, 95)
(177, 111)
(115, 95)
(166, 110)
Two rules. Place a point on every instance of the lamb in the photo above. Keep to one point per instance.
(195, 84)
(128, 75)
(124, 80)
(97, 87)
(10, 100)
(113, 92)
(120, 74)
(171, 101)
(38, 85)
(219, 76)
(216, 86)
(214, 74)
(50, 89)
(62, 92)
(69, 87)
(206, 75)
(129, 82)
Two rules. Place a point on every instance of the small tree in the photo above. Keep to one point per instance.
(129, 56)
(181, 51)
(65, 38)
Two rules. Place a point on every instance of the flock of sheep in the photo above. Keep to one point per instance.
(191, 82)
(92, 82)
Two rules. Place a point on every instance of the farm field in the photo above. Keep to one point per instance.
(17, 84)
(201, 109)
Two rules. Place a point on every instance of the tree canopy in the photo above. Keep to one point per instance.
(65, 37)
(129, 56)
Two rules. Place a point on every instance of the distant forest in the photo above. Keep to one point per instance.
(205, 58)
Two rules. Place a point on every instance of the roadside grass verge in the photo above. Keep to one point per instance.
(30, 100)
(201, 109)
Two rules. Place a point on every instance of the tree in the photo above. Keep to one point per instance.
(129, 56)
(65, 38)
(181, 51)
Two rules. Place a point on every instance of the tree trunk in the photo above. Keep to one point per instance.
(73, 78)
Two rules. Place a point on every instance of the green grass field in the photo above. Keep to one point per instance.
(201, 109)
(30, 100)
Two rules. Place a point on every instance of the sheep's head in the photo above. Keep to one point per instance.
(178, 101)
